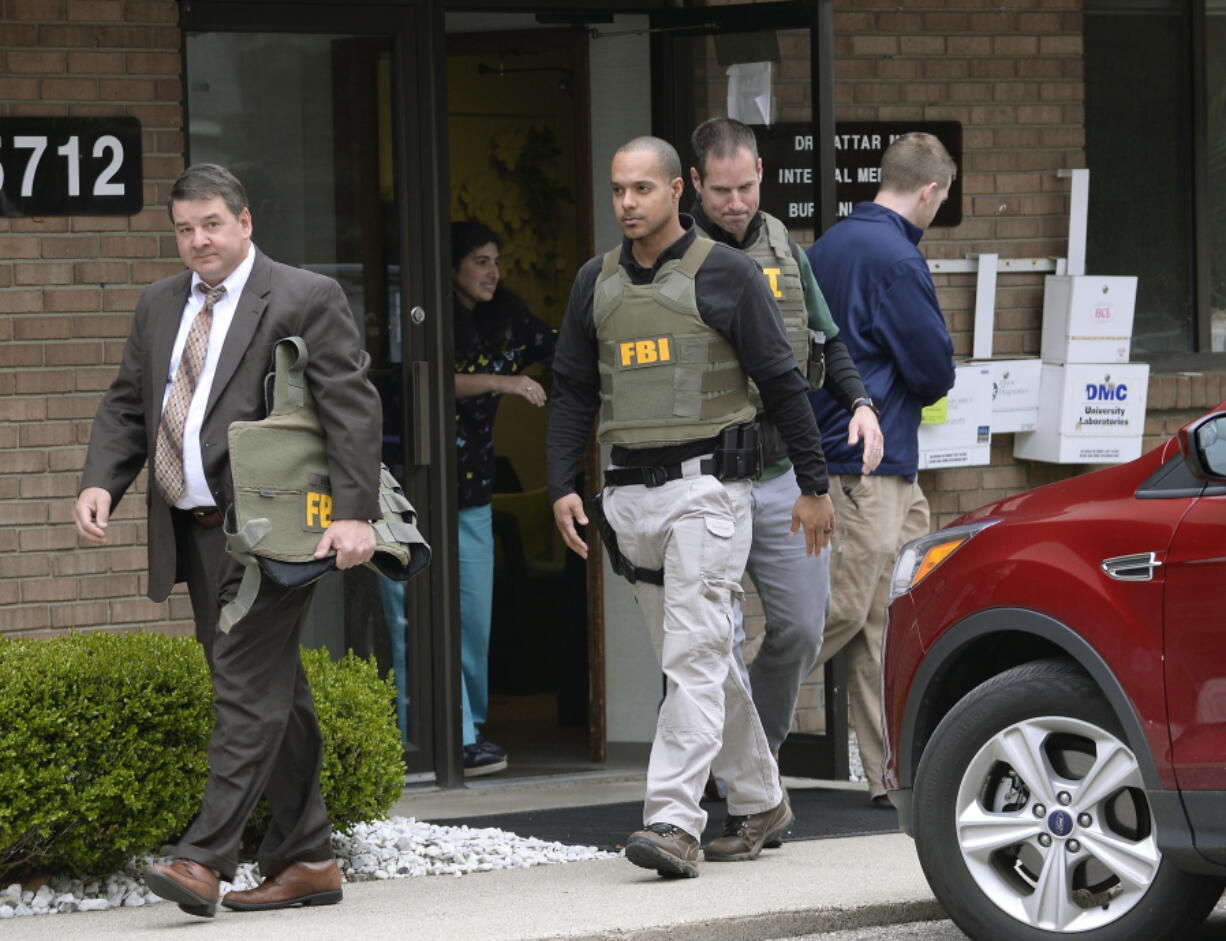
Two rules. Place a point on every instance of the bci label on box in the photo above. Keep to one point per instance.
(1088, 318)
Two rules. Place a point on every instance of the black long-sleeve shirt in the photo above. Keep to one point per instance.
(733, 299)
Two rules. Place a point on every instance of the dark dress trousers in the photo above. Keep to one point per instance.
(266, 740)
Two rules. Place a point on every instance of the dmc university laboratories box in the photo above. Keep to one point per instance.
(1089, 413)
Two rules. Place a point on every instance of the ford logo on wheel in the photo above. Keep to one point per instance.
(1060, 823)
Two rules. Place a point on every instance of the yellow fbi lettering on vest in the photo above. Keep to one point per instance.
(647, 351)
(318, 511)
(772, 278)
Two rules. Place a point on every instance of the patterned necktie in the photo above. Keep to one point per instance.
(168, 454)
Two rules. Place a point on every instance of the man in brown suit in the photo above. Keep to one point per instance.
(195, 361)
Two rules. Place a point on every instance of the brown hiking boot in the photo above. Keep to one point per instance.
(744, 837)
(775, 840)
(668, 850)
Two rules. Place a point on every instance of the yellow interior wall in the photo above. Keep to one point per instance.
(489, 120)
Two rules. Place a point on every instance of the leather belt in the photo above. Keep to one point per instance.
(207, 516)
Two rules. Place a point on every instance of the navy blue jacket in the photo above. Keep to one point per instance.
(882, 297)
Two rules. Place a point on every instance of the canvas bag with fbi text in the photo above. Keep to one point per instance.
(283, 497)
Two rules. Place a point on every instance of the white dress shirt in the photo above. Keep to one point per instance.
(196, 489)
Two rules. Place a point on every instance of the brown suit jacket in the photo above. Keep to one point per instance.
(278, 301)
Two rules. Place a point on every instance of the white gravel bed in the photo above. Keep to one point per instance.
(384, 849)
(855, 768)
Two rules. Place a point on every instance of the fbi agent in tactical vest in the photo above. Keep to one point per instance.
(794, 588)
(660, 340)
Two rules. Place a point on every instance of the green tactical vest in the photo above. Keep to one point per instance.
(283, 499)
(665, 376)
(772, 250)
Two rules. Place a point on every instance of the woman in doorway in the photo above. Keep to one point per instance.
(495, 340)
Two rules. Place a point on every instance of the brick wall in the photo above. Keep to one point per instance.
(67, 289)
(1011, 73)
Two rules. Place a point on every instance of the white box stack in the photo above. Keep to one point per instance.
(1088, 318)
(1091, 399)
(964, 439)
(1089, 413)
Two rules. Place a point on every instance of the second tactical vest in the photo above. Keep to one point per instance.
(283, 499)
(772, 250)
(666, 377)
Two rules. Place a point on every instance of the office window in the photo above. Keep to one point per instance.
(1138, 114)
(1215, 142)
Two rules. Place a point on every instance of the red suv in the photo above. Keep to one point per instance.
(1054, 675)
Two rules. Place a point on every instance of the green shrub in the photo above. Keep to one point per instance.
(103, 741)
(363, 770)
(102, 748)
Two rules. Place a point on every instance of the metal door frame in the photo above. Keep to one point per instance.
(415, 28)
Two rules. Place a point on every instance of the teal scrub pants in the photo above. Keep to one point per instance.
(476, 544)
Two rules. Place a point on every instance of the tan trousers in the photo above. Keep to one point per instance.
(874, 517)
(698, 530)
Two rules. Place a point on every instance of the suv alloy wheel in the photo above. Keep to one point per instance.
(1031, 818)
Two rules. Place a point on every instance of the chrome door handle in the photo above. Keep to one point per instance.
(1139, 567)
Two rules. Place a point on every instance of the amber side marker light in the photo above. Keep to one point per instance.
(934, 557)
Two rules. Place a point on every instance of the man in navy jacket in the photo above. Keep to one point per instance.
(883, 300)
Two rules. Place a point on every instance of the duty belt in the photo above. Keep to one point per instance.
(655, 475)
(737, 456)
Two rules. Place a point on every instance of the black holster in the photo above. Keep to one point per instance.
(621, 565)
(815, 369)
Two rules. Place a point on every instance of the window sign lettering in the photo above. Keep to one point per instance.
(788, 160)
(70, 166)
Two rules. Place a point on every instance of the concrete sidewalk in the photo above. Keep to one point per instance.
(804, 887)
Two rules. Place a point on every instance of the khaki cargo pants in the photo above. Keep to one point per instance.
(874, 517)
(698, 529)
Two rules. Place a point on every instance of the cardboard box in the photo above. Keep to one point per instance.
(962, 439)
(1088, 414)
(1015, 393)
(1088, 318)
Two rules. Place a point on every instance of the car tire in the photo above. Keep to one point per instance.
(1007, 866)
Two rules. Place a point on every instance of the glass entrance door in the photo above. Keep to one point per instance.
(314, 124)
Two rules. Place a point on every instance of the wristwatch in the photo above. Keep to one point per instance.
(864, 400)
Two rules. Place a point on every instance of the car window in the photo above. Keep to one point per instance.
(1174, 480)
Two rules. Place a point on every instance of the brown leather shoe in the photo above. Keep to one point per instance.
(744, 836)
(668, 850)
(191, 884)
(296, 884)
